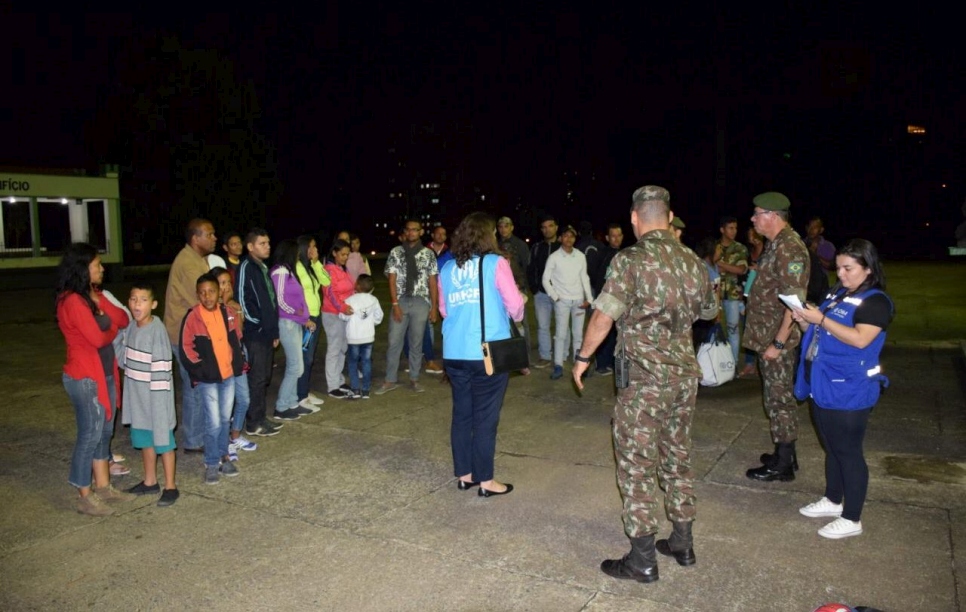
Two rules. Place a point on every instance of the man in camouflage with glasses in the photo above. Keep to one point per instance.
(770, 332)
(657, 288)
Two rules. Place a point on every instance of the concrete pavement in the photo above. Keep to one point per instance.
(356, 508)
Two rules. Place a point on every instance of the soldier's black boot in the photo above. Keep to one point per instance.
(769, 458)
(640, 564)
(780, 470)
(679, 544)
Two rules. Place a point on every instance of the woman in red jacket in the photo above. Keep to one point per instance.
(89, 322)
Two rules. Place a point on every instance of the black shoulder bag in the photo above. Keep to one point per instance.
(501, 356)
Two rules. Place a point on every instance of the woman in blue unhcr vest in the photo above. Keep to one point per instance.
(839, 371)
(477, 397)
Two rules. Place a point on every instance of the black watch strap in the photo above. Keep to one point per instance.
(581, 359)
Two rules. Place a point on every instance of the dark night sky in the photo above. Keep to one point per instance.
(632, 94)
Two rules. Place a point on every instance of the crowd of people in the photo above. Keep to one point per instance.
(224, 318)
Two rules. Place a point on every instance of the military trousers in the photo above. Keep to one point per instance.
(778, 384)
(652, 447)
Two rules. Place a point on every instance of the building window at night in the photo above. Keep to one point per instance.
(915, 129)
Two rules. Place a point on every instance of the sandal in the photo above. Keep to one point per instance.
(119, 470)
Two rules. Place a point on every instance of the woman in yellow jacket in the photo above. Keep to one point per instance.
(313, 277)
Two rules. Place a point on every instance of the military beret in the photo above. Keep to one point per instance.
(678, 223)
(649, 193)
(771, 200)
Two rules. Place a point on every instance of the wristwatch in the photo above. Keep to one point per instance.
(581, 359)
(778, 345)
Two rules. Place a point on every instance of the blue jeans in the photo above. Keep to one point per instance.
(359, 357)
(94, 431)
(415, 314)
(732, 312)
(216, 402)
(543, 307)
(308, 358)
(290, 337)
(242, 402)
(192, 420)
(477, 400)
(567, 311)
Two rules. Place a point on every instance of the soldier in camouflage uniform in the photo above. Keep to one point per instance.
(770, 331)
(657, 289)
(731, 258)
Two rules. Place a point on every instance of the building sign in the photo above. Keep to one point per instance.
(51, 186)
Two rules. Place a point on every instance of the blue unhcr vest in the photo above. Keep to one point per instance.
(460, 288)
(843, 377)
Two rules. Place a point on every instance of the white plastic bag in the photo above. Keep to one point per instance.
(716, 359)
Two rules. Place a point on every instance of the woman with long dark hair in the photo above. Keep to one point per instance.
(333, 304)
(477, 397)
(313, 277)
(89, 323)
(839, 371)
(293, 323)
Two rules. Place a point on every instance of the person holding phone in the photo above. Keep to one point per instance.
(839, 372)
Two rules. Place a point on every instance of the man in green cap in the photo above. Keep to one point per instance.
(770, 331)
(677, 226)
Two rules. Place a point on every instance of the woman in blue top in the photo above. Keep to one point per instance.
(839, 371)
(477, 397)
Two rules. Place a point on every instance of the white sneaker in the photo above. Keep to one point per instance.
(309, 405)
(822, 507)
(242, 443)
(841, 528)
(315, 399)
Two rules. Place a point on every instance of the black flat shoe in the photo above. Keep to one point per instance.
(462, 485)
(484, 493)
(143, 489)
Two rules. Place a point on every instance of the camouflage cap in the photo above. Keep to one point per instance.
(504, 221)
(771, 200)
(649, 193)
(678, 222)
(570, 228)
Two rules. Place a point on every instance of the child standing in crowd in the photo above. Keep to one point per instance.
(149, 394)
(236, 441)
(360, 333)
(211, 352)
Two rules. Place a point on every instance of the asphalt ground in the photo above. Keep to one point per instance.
(356, 507)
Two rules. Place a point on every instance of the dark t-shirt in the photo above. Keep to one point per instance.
(874, 310)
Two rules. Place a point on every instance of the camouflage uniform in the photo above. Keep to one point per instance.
(782, 269)
(660, 287)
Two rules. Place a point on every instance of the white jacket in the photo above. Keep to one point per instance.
(361, 324)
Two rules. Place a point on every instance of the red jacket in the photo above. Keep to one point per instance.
(340, 288)
(84, 337)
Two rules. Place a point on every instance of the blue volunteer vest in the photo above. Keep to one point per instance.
(843, 377)
(460, 288)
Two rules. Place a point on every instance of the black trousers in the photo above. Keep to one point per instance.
(261, 355)
(846, 472)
